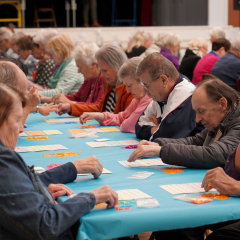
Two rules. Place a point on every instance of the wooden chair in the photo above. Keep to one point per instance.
(17, 5)
(52, 19)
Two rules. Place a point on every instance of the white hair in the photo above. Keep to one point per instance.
(171, 39)
(217, 32)
(44, 35)
(85, 51)
(198, 42)
(236, 44)
(159, 40)
(5, 33)
(17, 35)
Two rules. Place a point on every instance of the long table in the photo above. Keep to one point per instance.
(110, 223)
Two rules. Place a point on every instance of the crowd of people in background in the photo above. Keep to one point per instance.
(187, 112)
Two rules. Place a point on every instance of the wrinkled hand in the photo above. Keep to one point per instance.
(221, 182)
(106, 194)
(90, 116)
(46, 109)
(63, 108)
(45, 99)
(154, 119)
(145, 151)
(33, 98)
(145, 142)
(58, 190)
(89, 165)
(60, 98)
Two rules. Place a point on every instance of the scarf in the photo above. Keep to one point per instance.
(52, 83)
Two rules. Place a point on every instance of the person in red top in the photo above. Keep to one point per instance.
(219, 48)
(116, 98)
(92, 89)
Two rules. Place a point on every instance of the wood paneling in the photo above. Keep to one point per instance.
(233, 15)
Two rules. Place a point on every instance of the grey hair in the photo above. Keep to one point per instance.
(44, 35)
(159, 40)
(5, 33)
(17, 35)
(217, 32)
(156, 64)
(171, 39)
(236, 44)
(7, 74)
(85, 52)
(129, 68)
(112, 55)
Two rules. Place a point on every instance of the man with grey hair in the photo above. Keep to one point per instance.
(216, 33)
(170, 115)
(5, 43)
(227, 68)
(43, 36)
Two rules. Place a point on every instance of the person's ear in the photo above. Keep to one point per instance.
(223, 103)
(164, 80)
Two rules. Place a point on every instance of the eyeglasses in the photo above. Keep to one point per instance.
(146, 86)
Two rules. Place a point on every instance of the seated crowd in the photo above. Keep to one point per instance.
(145, 90)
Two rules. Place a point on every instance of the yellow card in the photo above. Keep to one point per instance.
(52, 132)
(34, 133)
(75, 131)
(110, 129)
(52, 120)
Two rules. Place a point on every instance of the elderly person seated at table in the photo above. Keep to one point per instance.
(171, 44)
(227, 67)
(139, 43)
(14, 39)
(116, 98)
(170, 113)
(217, 108)
(197, 48)
(35, 213)
(5, 43)
(205, 64)
(25, 46)
(216, 33)
(92, 88)
(66, 78)
(127, 119)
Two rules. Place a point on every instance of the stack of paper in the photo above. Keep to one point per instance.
(143, 163)
(112, 143)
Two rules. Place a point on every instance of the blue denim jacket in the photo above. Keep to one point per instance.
(27, 208)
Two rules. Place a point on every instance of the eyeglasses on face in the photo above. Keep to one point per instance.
(147, 86)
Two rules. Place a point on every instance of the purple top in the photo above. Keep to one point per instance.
(171, 57)
(55, 67)
(230, 168)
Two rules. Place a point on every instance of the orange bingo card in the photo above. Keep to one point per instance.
(87, 126)
(171, 170)
(75, 131)
(34, 133)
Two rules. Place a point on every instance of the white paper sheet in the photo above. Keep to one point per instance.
(52, 132)
(96, 144)
(131, 194)
(97, 130)
(105, 171)
(23, 134)
(184, 188)
(143, 163)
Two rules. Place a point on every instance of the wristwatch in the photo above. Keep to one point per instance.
(37, 109)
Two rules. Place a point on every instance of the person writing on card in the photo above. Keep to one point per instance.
(128, 118)
(217, 108)
(28, 208)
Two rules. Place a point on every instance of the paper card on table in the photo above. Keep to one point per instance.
(52, 132)
(184, 188)
(69, 119)
(105, 171)
(110, 129)
(52, 120)
(151, 162)
(129, 142)
(131, 194)
(75, 131)
(102, 140)
(22, 149)
(60, 147)
(96, 144)
(131, 164)
(23, 134)
(38, 148)
(113, 143)
(141, 175)
(83, 174)
(35, 133)
(97, 130)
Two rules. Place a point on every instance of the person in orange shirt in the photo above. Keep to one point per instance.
(116, 98)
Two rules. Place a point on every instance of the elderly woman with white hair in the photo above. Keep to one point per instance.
(14, 39)
(216, 33)
(128, 118)
(92, 89)
(116, 98)
(139, 43)
(171, 44)
(197, 48)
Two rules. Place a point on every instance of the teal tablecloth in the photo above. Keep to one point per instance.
(104, 224)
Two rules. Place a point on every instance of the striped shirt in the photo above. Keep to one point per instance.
(69, 81)
(111, 102)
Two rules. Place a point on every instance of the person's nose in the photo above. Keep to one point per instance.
(21, 128)
(198, 118)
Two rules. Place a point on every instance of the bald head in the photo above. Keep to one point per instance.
(11, 74)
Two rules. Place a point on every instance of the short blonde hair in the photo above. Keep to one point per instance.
(61, 45)
(198, 42)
